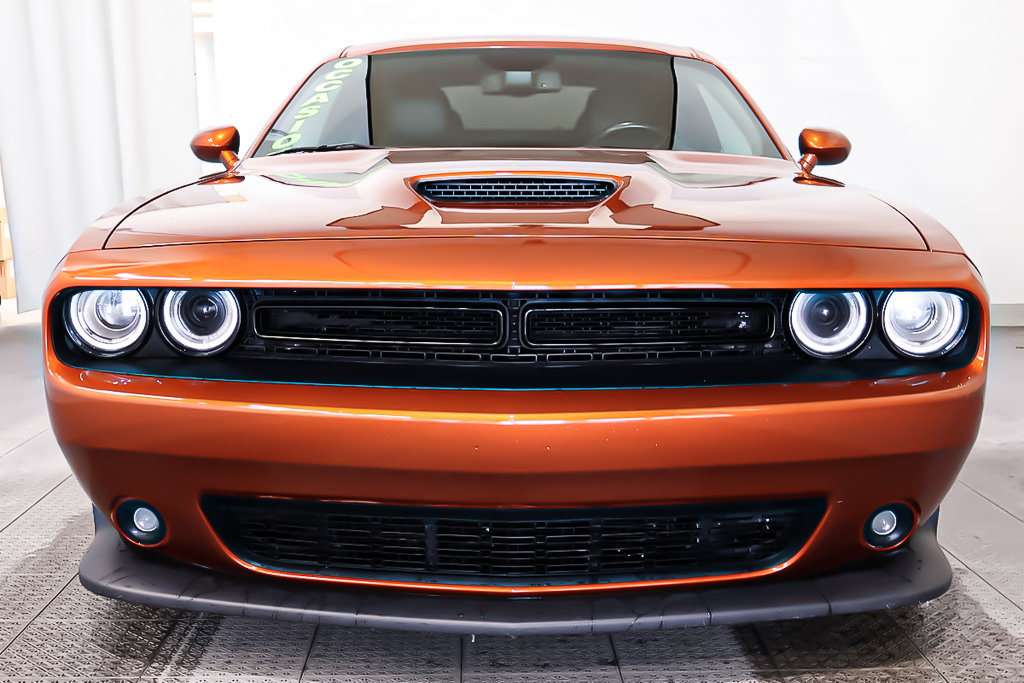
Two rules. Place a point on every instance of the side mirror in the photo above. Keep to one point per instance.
(822, 146)
(217, 145)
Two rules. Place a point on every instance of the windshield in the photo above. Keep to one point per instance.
(519, 97)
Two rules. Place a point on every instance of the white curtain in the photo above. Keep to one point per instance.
(97, 105)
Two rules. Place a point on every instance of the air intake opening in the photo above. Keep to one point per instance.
(516, 191)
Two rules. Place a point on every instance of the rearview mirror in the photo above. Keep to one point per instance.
(822, 146)
(217, 145)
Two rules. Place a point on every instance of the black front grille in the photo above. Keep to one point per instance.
(510, 339)
(668, 323)
(499, 328)
(516, 191)
(511, 547)
(398, 322)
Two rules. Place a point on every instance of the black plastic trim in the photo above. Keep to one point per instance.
(916, 572)
(521, 368)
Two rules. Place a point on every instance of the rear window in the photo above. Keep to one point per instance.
(520, 97)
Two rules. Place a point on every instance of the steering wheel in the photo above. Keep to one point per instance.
(629, 131)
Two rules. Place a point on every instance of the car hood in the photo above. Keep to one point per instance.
(663, 195)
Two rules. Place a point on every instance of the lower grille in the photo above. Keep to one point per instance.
(511, 547)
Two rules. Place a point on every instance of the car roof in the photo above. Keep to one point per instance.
(562, 43)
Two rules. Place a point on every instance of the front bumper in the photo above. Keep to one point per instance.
(857, 445)
(916, 572)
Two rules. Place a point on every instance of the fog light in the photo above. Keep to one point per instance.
(140, 522)
(889, 526)
(882, 524)
(146, 520)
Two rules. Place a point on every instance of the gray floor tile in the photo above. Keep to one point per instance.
(450, 677)
(28, 473)
(22, 596)
(8, 629)
(968, 631)
(219, 678)
(75, 603)
(542, 677)
(986, 538)
(375, 655)
(76, 650)
(997, 473)
(863, 676)
(697, 651)
(828, 644)
(229, 647)
(553, 656)
(68, 679)
(655, 676)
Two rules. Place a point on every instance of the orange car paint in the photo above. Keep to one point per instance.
(858, 444)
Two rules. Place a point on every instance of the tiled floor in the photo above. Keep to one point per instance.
(52, 629)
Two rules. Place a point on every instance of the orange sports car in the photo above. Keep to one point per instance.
(517, 336)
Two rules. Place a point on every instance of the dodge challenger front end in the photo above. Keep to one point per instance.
(517, 336)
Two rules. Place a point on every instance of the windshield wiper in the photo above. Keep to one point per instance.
(322, 148)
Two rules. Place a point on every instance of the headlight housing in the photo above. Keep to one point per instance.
(200, 322)
(829, 324)
(107, 322)
(923, 324)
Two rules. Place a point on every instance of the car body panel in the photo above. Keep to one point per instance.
(289, 199)
(519, 262)
(519, 449)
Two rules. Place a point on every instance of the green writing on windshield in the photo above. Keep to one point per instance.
(312, 107)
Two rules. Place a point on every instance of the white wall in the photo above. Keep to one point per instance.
(928, 91)
(97, 104)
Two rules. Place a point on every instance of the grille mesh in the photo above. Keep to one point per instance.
(397, 323)
(516, 191)
(622, 325)
(511, 547)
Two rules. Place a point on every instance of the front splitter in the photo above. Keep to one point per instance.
(916, 572)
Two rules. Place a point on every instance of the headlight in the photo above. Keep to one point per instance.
(829, 324)
(923, 324)
(107, 322)
(200, 321)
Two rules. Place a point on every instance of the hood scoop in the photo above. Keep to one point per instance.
(516, 191)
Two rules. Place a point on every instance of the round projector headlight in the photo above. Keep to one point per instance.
(829, 324)
(923, 324)
(200, 321)
(107, 322)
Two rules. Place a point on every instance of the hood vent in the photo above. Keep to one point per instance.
(516, 191)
